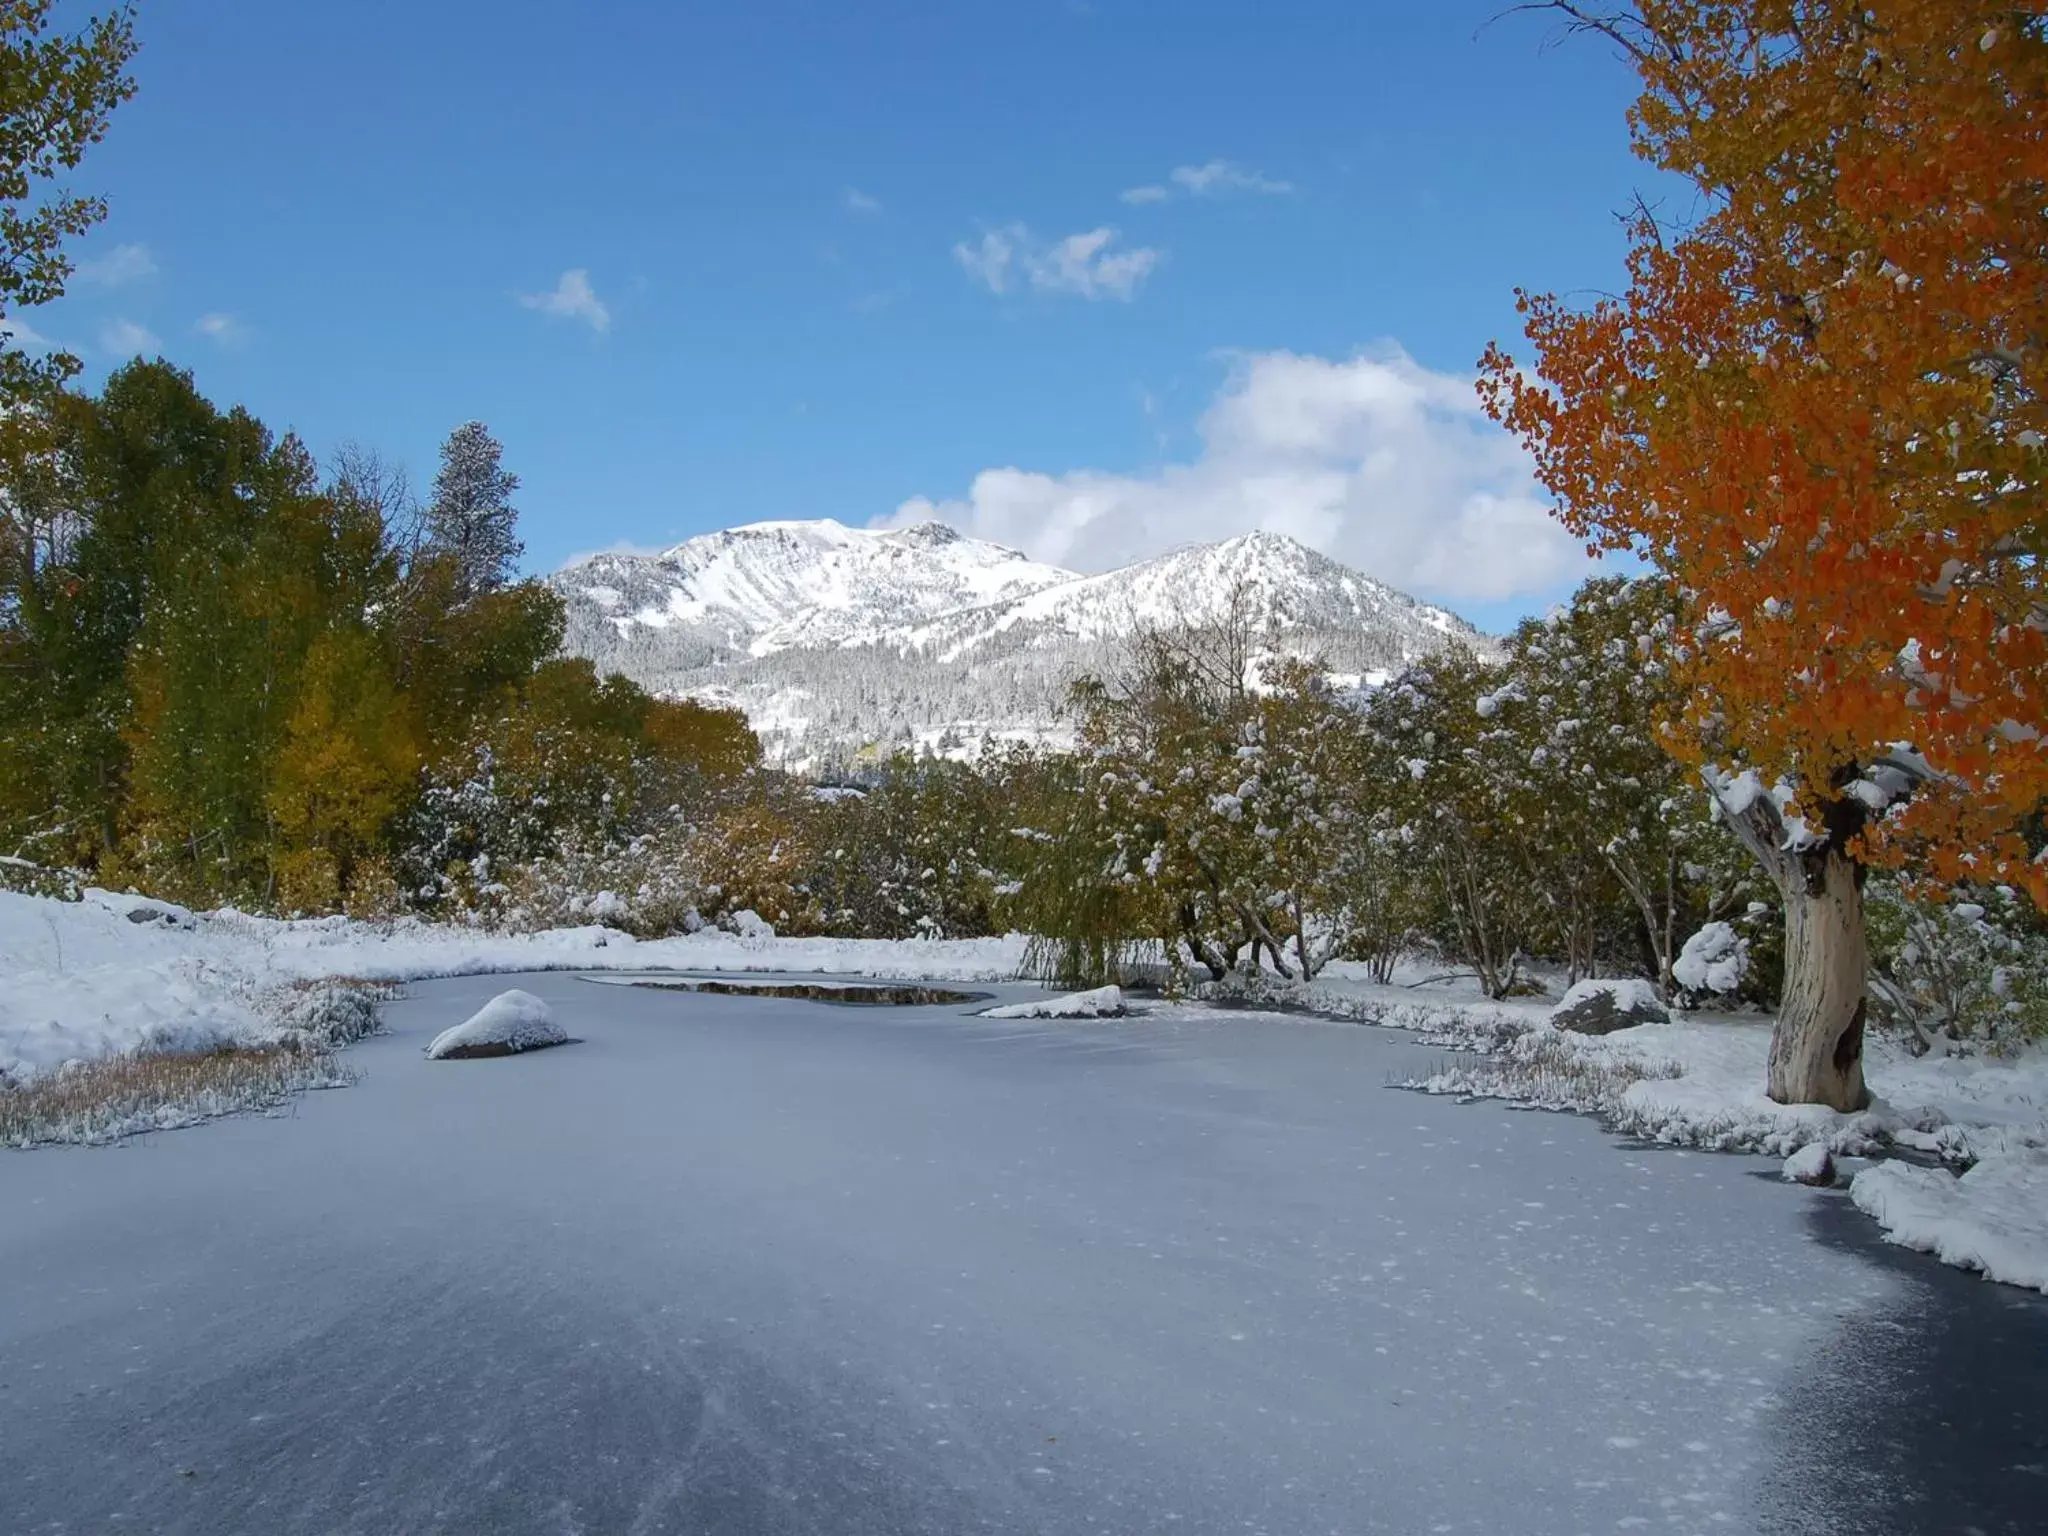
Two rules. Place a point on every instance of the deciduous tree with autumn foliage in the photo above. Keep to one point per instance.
(1817, 407)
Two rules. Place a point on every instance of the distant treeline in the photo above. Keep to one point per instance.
(230, 675)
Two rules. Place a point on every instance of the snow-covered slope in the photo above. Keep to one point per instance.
(767, 587)
(838, 640)
(1281, 584)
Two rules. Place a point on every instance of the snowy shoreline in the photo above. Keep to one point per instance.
(1698, 1082)
(114, 975)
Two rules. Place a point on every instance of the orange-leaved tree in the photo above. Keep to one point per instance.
(1817, 407)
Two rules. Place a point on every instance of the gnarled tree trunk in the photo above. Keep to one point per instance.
(1817, 1046)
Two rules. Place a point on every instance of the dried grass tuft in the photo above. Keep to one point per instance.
(115, 1096)
(1545, 1072)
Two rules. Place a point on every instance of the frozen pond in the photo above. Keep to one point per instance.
(745, 1264)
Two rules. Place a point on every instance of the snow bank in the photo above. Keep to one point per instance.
(82, 982)
(509, 1023)
(1993, 1219)
(86, 979)
(1699, 1082)
(1099, 1003)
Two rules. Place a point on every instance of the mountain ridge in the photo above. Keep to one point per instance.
(841, 641)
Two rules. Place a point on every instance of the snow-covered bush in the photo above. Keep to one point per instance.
(912, 853)
(747, 924)
(649, 886)
(1972, 972)
(25, 877)
(1714, 962)
(326, 1013)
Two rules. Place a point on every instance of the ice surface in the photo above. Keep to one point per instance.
(741, 1265)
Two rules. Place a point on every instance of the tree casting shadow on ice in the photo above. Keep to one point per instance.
(1925, 1418)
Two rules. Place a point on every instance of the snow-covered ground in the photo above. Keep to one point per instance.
(83, 980)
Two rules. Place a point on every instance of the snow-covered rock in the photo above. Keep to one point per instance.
(140, 909)
(509, 1023)
(1603, 1005)
(1811, 1164)
(1096, 1003)
(1716, 959)
(1993, 1219)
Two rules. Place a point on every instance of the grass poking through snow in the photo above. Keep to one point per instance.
(101, 1101)
(108, 1097)
(1543, 1071)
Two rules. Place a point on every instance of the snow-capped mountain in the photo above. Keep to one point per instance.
(838, 640)
(768, 586)
(1285, 585)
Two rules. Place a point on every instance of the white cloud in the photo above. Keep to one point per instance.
(1209, 180)
(1084, 264)
(123, 265)
(124, 338)
(1081, 264)
(19, 333)
(857, 201)
(572, 299)
(219, 327)
(1222, 176)
(1378, 461)
(988, 261)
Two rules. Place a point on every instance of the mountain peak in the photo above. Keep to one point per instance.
(833, 637)
(929, 534)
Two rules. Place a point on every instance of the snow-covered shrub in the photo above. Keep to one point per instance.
(1967, 971)
(649, 886)
(748, 924)
(25, 877)
(1714, 962)
(326, 1013)
(912, 852)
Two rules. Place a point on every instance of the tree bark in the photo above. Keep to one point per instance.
(1817, 1047)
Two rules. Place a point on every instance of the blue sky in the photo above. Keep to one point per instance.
(849, 260)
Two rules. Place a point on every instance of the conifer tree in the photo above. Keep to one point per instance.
(472, 517)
